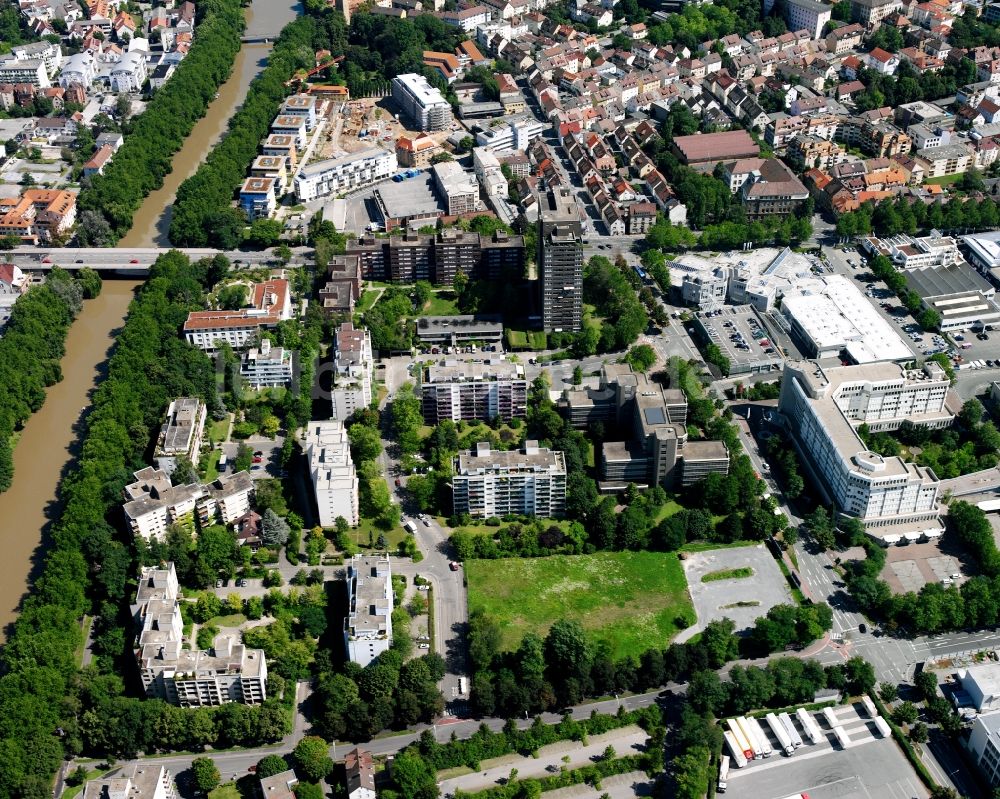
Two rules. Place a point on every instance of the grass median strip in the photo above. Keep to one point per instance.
(728, 574)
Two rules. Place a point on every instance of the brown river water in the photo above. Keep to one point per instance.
(48, 444)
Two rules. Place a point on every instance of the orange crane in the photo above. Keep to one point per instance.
(302, 75)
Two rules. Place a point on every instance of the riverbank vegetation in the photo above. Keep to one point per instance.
(146, 156)
(203, 213)
(49, 708)
(33, 343)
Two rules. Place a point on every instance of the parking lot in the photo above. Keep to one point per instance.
(742, 337)
(869, 768)
(269, 464)
(910, 567)
(741, 599)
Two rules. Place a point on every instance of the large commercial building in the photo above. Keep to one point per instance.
(230, 672)
(529, 482)
(983, 251)
(133, 781)
(962, 298)
(270, 303)
(560, 261)
(462, 390)
(337, 175)
(420, 101)
(368, 625)
(353, 363)
(704, 150)
(153, 504)
(896, 500)
(807, 15)
(459, 329)
(457, 188)
(335, 482)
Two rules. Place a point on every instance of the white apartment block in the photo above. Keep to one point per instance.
(267, 366)
(457, 188)
(984, 746)
(948, 159)
(353, 363)
(129, 74)
(807, 15)
(335, 482)
(895, 499)
(462, 390)
(270, 303)
(368, 624)
(181, 432)
(531, 482)
(420, 101)
(153, 504)
(908, 252)
(133, 781)
(49, 52)
(190, 678)
(301, 105)
(14, 70)
(80, 68)
(336, 175)
(514, 136)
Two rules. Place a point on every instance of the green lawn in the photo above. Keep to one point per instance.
(212, 465)
(92, 774)
(230, 620)
(227, 791)
(368, 299)
(516, 339)
(217, 431)
(946, 180)
(630, 600)
(441, 304)
(367, 527)
(537, 340)
(728, 574)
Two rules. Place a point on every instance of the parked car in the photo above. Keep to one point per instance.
(454, 565)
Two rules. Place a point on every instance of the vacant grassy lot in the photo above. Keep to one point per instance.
(630, 600)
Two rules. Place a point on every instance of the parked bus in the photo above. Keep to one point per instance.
(793, 733)
(740, 739)
(739, 757)
(842, 737)
(809, 725)
(723, 773)
(780, 733)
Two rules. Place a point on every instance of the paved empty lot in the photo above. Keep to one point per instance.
(743, 599)
(910, 567)
(870, 768)
(626, 741)
(619, 786)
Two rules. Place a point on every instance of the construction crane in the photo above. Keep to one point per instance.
(301, 76)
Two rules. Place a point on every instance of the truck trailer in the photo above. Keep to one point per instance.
(739, 757)
(723, 773)
(780, 733)
(809, 725)
(793, 733)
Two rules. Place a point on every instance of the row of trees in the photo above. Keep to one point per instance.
(607, 289)
(89, 568)
(882, 268)
(31, 349)
(203, 214)
(565, 667)
(935, 608)
(900, 215)
(146, 156)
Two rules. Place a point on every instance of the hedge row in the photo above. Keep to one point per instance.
(146, 156)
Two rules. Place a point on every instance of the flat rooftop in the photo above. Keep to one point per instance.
(413, 197)
(484, 460)
(835, 313)
(368, 588)
(468, 371)
(465, 324)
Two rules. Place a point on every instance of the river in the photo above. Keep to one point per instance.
(49, 441)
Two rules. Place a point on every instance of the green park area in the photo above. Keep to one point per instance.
(629, 600)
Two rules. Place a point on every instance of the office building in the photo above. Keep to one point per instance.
(528, 482)
(267, 366)
(270, 303)
(463, 390)
(983, 252)
(181, 433)
(416, 152)
(368, 625)
(335, 482)
(457, 188)
(133, 781)
(560, 261)
(421, 102)
(895, 499)
(353, 363)
(229, 672)
(984, 746)
(909, 252)
(339, 175)
(512, 136)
